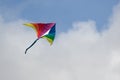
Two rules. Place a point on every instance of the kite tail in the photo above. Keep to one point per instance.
(31, 45)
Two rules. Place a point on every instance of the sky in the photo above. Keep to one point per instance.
(63, 12)
(86, 47)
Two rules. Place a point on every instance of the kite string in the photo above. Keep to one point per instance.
(31, 45)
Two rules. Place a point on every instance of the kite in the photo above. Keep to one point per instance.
(43, 30)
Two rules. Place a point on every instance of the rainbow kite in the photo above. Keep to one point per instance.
(43, 30)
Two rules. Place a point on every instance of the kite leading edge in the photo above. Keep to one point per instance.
(43, 30)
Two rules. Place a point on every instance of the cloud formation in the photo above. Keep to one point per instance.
(82, 53)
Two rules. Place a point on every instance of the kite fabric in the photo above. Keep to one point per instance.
(43, 30)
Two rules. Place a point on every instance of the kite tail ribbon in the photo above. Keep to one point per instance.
(31, 45)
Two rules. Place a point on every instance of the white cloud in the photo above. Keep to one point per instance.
(82, 53)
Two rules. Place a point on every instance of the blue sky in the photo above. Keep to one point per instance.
(63, 12)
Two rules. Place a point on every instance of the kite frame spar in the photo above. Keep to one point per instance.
(41, 29)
